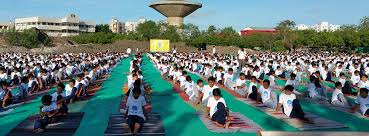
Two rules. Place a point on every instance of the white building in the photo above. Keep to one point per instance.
(124, 27)
(70, 25)
(6, 26)
(322, 26)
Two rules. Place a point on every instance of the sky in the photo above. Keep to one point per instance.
(221, 13)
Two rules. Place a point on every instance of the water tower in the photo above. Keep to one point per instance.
(175, 10)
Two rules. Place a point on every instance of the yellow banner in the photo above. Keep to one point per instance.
(157, 45)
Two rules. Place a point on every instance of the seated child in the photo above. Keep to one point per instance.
(252, 91)
(135, 114)
(241, 85)
(291, 105)
(23, 89)
(338, 99)
(228, 79)
(47, 112)
(6, 97)
(70, 91)
(268, 97)
(59, 92)
(217, 109)
(207, 90)
(196, 96)
(362, 102)
(189, 86)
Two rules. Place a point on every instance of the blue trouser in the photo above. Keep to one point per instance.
(41, 123)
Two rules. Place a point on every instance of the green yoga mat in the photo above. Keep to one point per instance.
(178, 117)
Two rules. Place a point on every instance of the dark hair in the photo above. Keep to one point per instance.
(199, 81)
(59, 97)
(61, 85)
(137, 83)
(72, 80)
(216, 92)
(293, 75)
(188, 79)
(242, 74)
(136, 90)
(337, 84)
(211, 79)
(267, 81)
(46, 99)
(289, 88)
(364, 90)
(230, 69)
(253, 77)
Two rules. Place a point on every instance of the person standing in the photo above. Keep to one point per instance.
(241, 58)
(214, 50)
(129, 51)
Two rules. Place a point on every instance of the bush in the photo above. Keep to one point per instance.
(31, 38)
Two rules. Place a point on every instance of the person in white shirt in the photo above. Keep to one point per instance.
(136, 114)
(189, 86)
(214, 50)
(241, 85)
(207, 90)
(228, 79)
(362, 103)
(217, 109)
(252, 90)
(129, 51)
(355, 78)
(242, 57)
(196, 96)
(363, 83)
(291, 105)
(266, 95)
(47, 111)
(70, 91)
(59, 91)
(338, 99)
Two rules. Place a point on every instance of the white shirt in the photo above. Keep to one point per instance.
(286, 101)
(249, 88)
(55, 96)
(312, 90)
(129, 51)
(212, 104)
(355, 79)
(68, 90)
(135, 106)
(265, 93)
(51, 107)
(335, 94)
(364, 103)
(240, 82)
(207, 92)
(294, 83)
(241, 55)
(363, 84)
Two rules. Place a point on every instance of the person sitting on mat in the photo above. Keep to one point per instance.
(136, 114)
(61, 108)
(291, 105)
(23, 89)
(228, 79)
(338, 99)
(6, 97)
(241, 85)
(189, 86)
(266, 95)
(198, 89)
(70, 91)
(59, 91)
(47, 112)
(362, 102)
(207, 90)
(217, 109)
(252, 90)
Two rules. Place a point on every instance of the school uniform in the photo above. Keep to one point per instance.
(338, 99)
(291, 106)
(241, 91)
(207, 93)
(135, 111)
(44, 121)
(252, 91)
(268, 97)
(363, 104)
(218, 111)
(228, 81)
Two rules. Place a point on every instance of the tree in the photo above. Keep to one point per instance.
(229, 32)
(171, 33)
(191, 31)
(212, 30)
(364, 23)
(285, 27)
(102, 28)
(148, 30)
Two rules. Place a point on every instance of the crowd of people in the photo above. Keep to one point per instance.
(23, 75)
(258, 76)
